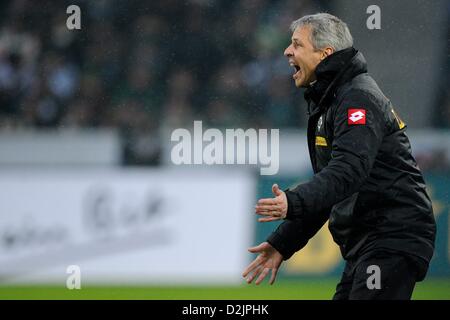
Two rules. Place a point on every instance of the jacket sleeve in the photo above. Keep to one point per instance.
(292, 235)
(357, 137)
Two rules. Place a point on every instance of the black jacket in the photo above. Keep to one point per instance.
(366, 181)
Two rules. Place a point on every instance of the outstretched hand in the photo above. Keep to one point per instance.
(272, 208)
(269, 259)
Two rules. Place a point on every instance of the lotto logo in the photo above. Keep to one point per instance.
(356, 116)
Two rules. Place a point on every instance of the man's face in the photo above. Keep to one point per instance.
(303, 57)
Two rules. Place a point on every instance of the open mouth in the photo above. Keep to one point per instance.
(297, 70)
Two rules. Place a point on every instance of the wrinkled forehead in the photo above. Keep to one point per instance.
(301, 33)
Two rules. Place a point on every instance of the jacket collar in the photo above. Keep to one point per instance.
(332, 72)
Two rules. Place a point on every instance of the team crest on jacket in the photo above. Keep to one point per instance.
(356, 116)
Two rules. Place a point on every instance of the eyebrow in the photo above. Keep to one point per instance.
(297, 40)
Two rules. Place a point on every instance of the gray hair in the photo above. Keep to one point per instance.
(326, 31)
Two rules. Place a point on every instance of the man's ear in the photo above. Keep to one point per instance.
(328, 51)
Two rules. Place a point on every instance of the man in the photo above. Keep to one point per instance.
(366, 182)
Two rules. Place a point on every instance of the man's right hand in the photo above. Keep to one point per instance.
(269, 259)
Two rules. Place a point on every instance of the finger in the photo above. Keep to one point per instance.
(267, 201)
(269, 219)
(269, 214)
(255, 263)
(259, 259)
(276, 207)
(255, 273)
(259, 248)
(262, 276)
(273, 276)
(276, 190)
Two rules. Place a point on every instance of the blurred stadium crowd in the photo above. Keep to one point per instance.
(142, 66)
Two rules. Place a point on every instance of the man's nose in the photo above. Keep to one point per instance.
(288, 52)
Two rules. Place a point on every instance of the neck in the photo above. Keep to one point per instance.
(327, 73)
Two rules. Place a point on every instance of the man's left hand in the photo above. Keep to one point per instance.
(273, 208)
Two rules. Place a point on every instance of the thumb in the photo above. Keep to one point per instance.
(259, 248)
(276, 190)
